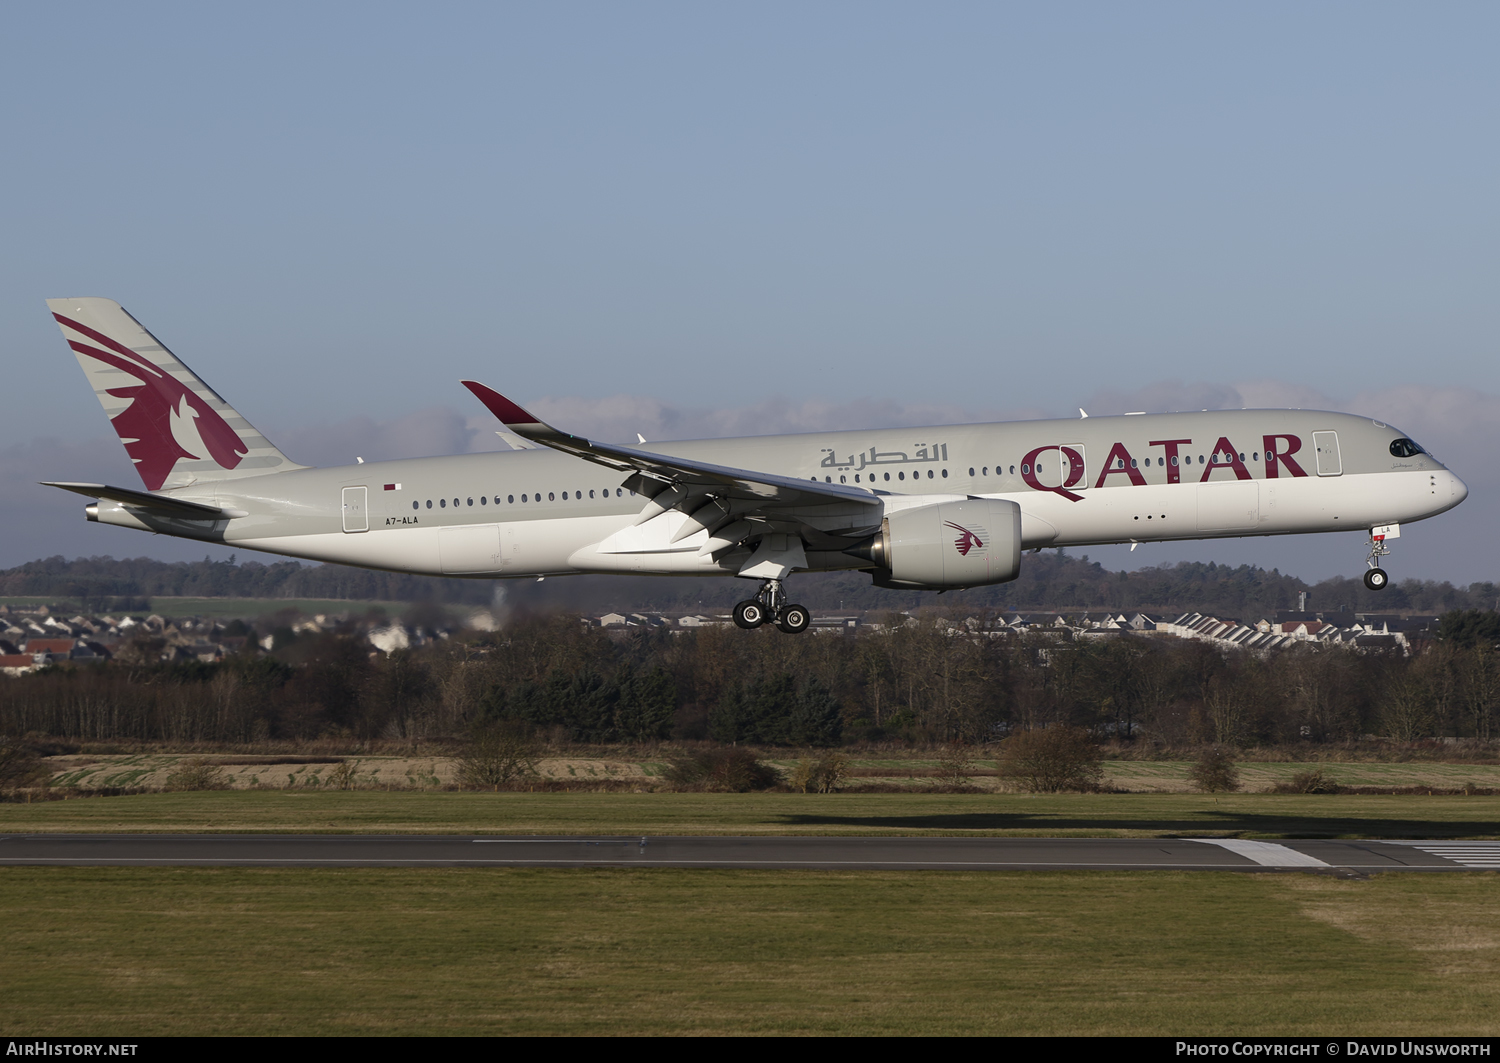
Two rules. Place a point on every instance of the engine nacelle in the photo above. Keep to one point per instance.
(948, 545)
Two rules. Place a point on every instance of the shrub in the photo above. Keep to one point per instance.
(19, 764)
(725, 770)
(341, 777)
(1046, 761)
(197, 775)
(954, 766)
(820, 775)
(1215, 772)
(1308, 782)
(497, 751)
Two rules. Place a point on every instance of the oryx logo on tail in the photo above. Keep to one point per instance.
(166, 420)
(966, 540)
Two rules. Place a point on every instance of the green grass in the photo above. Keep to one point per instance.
(1080, 815)
(254, 607)
(136, 952)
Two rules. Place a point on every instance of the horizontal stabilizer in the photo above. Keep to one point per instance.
(165, 505)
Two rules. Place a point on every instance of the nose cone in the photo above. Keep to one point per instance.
(1459, 488)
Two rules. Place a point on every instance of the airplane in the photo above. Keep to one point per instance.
(940, 508)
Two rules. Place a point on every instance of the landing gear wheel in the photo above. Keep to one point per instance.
(750, 614)
(794, 620)
(1376, 579)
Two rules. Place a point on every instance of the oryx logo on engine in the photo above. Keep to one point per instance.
(966, 540)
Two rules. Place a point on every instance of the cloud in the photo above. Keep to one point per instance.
(426, 433)
(620, 417)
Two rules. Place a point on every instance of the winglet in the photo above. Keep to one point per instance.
(509, 414)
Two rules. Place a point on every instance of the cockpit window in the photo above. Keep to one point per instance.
(1405, 448)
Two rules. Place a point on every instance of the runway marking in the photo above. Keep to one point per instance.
(1268, 854)
(1469, 854)
(554, 841)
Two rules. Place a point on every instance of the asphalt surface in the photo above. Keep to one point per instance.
(904, 853)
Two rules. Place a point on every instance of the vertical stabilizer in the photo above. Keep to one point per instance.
(176, 428)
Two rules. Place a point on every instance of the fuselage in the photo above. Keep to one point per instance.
(1134, 478)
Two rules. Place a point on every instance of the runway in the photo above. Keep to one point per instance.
(817, 853)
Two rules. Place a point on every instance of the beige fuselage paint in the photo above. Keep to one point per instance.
(1078, 482)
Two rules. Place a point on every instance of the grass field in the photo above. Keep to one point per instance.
(150, 770)
(1078, 815)
(129, 952)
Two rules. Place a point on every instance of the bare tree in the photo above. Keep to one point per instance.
(497, 752)
(1057, 758)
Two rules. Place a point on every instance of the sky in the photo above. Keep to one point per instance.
(692, 219)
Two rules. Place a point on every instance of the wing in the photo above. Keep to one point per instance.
(696, 477)
(714, 496)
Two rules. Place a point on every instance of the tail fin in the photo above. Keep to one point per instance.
(174, 426)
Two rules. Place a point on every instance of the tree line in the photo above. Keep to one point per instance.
(933, 680)
(1050, 580)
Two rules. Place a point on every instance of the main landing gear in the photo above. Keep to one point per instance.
(1375, 578)
(770, 604)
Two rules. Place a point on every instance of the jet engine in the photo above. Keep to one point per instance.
(947, 545)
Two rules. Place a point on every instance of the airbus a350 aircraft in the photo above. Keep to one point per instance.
(927, 508)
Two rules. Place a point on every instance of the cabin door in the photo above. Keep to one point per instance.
(356, 509)
(1327, 446)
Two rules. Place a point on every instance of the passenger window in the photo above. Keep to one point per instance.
(509, 498)
(551, 497)
(945, 473)
(842, 480)
(455, 501)
(901, 476)
(1132, 463)
(929, 474)
(416, 505)
(484, 500)
(523, 498)
(971, 472)
(591, 494)
(887, 476)
(565, 496)
(429, 503)
(443, 503)
(1024, 469)
(1174, 459)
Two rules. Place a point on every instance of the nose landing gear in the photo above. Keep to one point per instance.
(769, 603)
(1376, 578)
